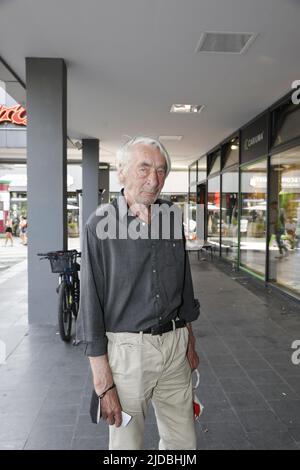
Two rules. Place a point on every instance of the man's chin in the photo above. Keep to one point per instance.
(148, 199)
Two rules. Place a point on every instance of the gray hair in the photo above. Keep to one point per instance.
(124, 154)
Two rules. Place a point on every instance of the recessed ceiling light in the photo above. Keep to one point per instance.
(187, 108)
(171, 137)
(230, 43)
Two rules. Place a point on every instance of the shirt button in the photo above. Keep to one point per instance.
(174, 244)
(154, 270)
(157, 296)
(143, 224)
(160, 318)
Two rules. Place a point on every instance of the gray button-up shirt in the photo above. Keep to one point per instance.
(130, 284)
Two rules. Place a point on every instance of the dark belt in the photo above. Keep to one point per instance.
(160, 329)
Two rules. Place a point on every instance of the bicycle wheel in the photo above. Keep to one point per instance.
(64, 312)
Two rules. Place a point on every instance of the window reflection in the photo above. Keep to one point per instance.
(213, 210)
(230, 184)
(284, 219)
(253, 217)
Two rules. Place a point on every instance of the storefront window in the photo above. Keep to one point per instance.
(231, 153)
(193, 176)
(13, 195)
(215, 166)
(285, 123)
(230, 197)
(213, 210)
(284, 220)
(73, 215)
(191, 224)
(253, 217)
(202, 168)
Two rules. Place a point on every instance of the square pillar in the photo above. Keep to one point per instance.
(90, 179)
(46, 180)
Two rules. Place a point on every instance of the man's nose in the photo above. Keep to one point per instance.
(153, 178)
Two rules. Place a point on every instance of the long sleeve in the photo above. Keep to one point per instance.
(90, 327)
(190, 308)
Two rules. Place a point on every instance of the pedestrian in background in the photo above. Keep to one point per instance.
(23, 230)
(8, 232)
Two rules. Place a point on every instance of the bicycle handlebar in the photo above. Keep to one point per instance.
(60, 252)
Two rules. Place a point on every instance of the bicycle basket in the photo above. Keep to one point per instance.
(61, 262)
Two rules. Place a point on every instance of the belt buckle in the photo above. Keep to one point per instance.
(155, 331)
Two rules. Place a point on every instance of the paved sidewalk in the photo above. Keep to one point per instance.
(249, 386)
(11, 255)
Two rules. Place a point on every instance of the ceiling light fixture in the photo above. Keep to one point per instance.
(187, 108)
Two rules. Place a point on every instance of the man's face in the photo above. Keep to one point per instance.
(145, 174)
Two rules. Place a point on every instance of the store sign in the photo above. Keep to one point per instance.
(290, 182)
(255, 140)
(14, 115)
(258, 182)
(287, 182)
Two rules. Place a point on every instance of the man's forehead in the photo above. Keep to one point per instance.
(147, 152)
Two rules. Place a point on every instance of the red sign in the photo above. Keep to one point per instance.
(15, 115)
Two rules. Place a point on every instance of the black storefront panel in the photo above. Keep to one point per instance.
(254, 140)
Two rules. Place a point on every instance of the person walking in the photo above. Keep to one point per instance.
(8, 232)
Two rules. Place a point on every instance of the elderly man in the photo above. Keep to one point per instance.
(136, 306)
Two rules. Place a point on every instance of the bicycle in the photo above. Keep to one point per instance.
(65, 264)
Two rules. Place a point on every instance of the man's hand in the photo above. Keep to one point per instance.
(192, 356)
(191, 353)
(111, 408)
(103, 379)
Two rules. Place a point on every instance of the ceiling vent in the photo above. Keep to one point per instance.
(225, 43)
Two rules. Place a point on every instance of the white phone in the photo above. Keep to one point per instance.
(126, 418)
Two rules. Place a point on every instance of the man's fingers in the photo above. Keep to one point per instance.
(118, 419)
(193, 359)
(111, 408)
(110, 417)
(115, 417)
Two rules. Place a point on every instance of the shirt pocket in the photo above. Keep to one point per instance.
(173, 252)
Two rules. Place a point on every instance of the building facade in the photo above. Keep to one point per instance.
(247, 192)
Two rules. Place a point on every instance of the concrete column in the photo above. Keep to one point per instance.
(104, 182)
(90, 179)
(46, 173)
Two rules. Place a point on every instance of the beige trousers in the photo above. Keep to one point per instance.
(155, 368)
